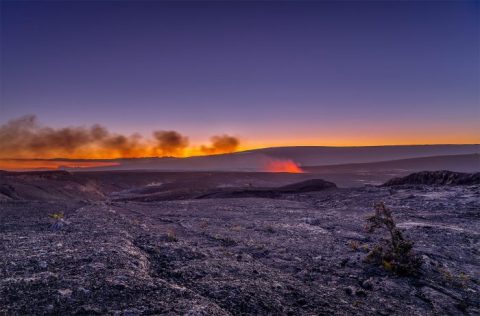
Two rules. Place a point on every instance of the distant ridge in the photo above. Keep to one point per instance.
(459, 163)
(322, 155)
(257, 159)
(442, 177)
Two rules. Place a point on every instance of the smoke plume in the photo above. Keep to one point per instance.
(26, 138)
(170, 143)
(221, 144)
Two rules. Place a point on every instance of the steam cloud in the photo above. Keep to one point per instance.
(25, 137)
(221, 144)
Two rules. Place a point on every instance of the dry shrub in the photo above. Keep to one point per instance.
(171, 235)
(395, 253)
(58, 221)
(354, 245)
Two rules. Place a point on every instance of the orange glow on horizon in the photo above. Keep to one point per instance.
(26, 138)
(26, 160)
(97, 153)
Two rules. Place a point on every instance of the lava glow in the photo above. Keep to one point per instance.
(283, 166)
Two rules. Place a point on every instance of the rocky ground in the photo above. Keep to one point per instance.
(297, 253)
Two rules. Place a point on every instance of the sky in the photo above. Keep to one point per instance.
(264, 73)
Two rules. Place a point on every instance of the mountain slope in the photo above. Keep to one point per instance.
(258, 160)
(459, 163)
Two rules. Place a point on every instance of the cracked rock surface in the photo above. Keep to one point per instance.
(294, 254)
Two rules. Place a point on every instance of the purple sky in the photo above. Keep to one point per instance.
(273, 73)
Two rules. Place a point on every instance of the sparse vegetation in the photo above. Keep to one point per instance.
(394, 253)
(354, 245)
(56, 216)
(59, 221)
(270, 229)
(302, 254)
(226, 241)
(135, 221)
(236, 228)
(365, 248)
(171, 236)
(459, 280)
(203, 224)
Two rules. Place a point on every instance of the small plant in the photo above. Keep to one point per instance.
(171, 236)
(203, 224)
(357, 303)
(354, 245)
(446, 274)
(365, 248)
(226, 241)
(270, 229)
(236, 228)
(393, 254)
(463, 279)
(458, 280)
(136, 221)
(56, 216)
(59, 221)
(387, 265)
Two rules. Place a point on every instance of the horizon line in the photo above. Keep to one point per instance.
(220, 154)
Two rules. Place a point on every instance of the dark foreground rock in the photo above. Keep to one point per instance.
(297, 254)
(311, 185)
(443, 177)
